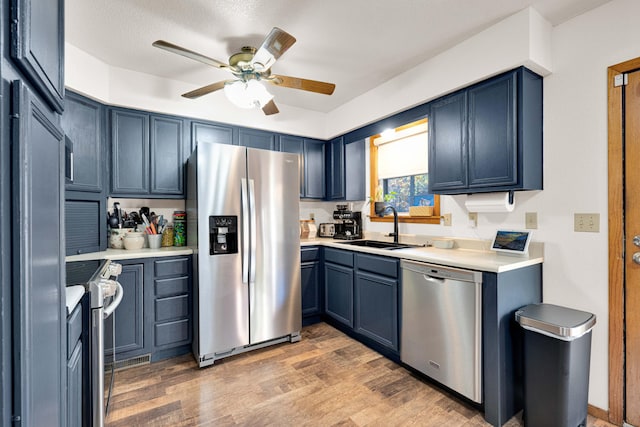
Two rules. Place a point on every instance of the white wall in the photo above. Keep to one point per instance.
(575, 140)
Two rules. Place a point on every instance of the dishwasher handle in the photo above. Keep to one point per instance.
(432, 279)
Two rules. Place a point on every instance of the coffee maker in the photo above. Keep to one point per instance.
(348, 223)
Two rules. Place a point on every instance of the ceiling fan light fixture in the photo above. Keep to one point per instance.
(249, 94)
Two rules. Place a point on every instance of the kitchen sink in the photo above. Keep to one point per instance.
(380, 244)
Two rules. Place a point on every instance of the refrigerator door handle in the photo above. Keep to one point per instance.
(245, 230)
(252, 210)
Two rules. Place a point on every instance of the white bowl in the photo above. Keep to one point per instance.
(134, 240)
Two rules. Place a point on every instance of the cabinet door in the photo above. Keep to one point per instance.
(314, 169)
(354, 180)
(493, 136)
(167, 163)
(83, 222)
(448, 144)
(207, 132)
(39, 309)
(339, 293)
(83, 124)
(37, 46)
(335, 169)
(74, 387)
(376, 309)
(257, 139)
(129, 152)
(129, 316)
(295, 144)
(310, 281)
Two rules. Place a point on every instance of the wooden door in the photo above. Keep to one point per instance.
(632, 248)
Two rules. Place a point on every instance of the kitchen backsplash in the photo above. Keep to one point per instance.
(323, 211)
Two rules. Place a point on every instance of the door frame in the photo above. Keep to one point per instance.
(616, 241)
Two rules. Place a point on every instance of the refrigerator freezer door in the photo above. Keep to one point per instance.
(275, 295)
(222, 298)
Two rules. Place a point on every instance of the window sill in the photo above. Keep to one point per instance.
(408, 219)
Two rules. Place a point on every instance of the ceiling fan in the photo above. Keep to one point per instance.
(250, 67)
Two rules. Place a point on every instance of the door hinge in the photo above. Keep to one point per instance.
(16, 420)
(620, 80)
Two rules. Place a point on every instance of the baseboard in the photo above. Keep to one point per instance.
(594, 411)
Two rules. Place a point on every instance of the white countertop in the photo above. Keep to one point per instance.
(473, 259)
(73, 295)
(120, 254)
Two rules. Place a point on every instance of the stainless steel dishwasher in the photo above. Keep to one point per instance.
(442, 325)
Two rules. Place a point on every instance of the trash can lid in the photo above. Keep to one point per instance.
(560, 322)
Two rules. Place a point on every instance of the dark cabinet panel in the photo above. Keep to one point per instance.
(83, 226)
(208, 132)
(492, 132)
(38, 295)
(74, 387)
(314, 169)
(83, 124)
(339, 293)
(376, 309)
(129, 316)
(335, 169)
(130, 152)
(37, 46)
(448, 143)
(167, 146)
(257, 139)
(310, 282)
(354, 179)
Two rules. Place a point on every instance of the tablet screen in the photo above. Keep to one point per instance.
(511, 241)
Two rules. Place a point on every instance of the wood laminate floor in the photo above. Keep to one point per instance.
(326, 379)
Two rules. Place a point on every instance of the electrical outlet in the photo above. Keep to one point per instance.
(473, 219)
(589, 222)
(531, 220)
(446, 220)
(312, 216)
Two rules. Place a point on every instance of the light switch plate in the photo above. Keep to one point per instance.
(586, 222)
(531, 220)
(446, 220)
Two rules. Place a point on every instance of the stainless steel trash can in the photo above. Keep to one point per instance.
(557, 352)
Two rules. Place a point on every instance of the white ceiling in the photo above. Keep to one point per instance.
(356, 44)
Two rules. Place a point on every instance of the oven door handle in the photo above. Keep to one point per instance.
(117, 298)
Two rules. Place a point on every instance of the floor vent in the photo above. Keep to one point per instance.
(129, 363)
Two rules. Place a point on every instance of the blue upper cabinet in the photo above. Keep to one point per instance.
(129, 152)
(257, 139)
(37, 46)
(209, 132)
(83, 125)
(346, 170)
(147, 154)
(488, 137)
(312, 173)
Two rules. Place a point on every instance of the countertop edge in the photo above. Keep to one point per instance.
(124, 254)
(486, 261)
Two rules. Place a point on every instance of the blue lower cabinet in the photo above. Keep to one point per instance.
(376, 308)
(339, 293)
(75, 369)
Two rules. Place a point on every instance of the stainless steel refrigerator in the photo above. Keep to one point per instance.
(243, 223)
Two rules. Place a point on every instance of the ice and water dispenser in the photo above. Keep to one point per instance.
(223, 235)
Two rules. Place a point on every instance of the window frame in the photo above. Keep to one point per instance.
(373, 182)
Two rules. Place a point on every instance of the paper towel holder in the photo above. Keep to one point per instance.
(498, 201)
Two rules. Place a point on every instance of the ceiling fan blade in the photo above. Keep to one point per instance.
(270, 108)
(170, 47)
(205, 89)
(302, 84)
(277, 43)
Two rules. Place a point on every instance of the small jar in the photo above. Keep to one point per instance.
(167, 236)
(179, 228)
(134, 240)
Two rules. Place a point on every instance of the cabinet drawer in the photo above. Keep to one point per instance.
(378, 264)
(172, 308)
(74, 328)
(172, 267)
(173, 286)
(309, 254)
(338, 256)
(172, 332)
